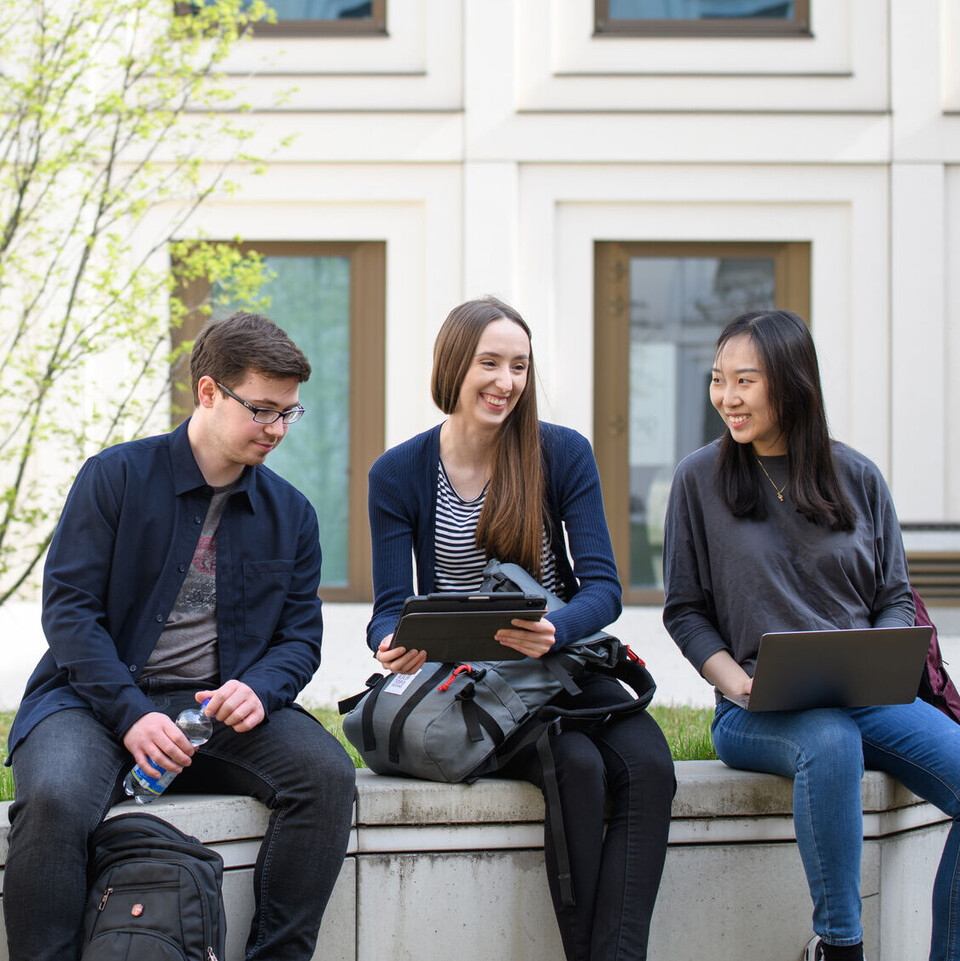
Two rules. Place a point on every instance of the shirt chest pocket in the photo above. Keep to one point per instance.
(266, 585)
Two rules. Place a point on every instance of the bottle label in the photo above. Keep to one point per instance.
(151, 784)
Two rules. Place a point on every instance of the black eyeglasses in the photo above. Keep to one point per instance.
(265, 415)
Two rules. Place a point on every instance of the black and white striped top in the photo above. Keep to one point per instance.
(459, 562)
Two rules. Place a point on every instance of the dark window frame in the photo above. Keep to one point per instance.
(797, 26)
(373, 26)
(368, 276)
(611, 331)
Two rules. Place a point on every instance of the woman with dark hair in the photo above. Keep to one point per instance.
(776, 527)
(493, 481)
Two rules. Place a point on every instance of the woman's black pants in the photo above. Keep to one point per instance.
(621, 769)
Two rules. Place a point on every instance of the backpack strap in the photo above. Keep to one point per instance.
(400, 718)
(476, 719)
(565, 669)
(628, 668)
(349, 703)
(936, 687)
(551, 798)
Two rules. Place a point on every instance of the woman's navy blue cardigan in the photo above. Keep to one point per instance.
(402, 502)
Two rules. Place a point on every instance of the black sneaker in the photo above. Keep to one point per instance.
(813, 950)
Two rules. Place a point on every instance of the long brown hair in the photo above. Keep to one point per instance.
(511, 523)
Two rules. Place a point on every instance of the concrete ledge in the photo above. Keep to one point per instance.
(434, 869)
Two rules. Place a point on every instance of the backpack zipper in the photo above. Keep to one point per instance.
(103, 900)
(208, 921)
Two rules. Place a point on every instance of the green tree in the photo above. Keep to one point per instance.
(109, 114)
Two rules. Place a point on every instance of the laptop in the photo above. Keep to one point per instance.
(849, 668)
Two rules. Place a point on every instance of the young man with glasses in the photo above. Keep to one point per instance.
(183, 569)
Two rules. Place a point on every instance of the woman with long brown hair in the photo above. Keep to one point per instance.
(494, 481)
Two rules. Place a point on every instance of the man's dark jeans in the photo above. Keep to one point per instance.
(68, 773)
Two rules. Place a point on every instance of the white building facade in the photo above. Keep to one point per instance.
(627, 192)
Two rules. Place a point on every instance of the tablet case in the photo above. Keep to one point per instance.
(461, 627)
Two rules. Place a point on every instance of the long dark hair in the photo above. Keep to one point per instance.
(789, 361)
(511, 523)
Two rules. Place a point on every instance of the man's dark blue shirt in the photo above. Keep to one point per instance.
(121, 551)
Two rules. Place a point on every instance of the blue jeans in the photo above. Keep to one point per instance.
(825, 752)
(68, 772)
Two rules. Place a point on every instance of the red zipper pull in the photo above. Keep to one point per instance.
(457, 670)
(103, 900)
(635, 657)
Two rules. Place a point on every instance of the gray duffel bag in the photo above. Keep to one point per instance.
(455, 722)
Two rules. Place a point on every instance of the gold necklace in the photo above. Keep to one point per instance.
(779, 490)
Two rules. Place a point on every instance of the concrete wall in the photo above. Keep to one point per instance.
(438, 870)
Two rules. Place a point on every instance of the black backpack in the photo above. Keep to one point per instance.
(155, 894)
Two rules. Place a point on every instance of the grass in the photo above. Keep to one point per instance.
(687, 730)
(331, 720)
(6, 775)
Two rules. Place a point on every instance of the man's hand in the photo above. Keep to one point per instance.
(235, 705)
(155, 736)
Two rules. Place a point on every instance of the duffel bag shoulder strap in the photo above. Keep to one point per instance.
(512, 577)
(630, 669)
(617, 660)
(368, 696)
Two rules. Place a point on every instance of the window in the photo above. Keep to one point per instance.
(297, 18)
(702, 18)
(330, 298)
(658, 311)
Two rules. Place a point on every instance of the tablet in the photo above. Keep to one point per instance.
(461, 627)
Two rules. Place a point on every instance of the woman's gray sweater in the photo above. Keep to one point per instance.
(729, 580)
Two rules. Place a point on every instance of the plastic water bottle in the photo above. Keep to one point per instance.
(141, 786)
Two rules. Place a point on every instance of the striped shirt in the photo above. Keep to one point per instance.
(459, 562)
